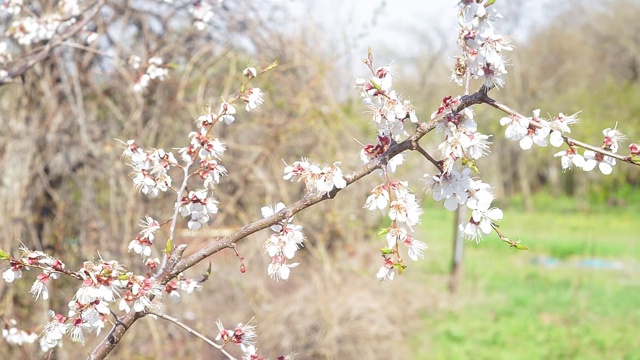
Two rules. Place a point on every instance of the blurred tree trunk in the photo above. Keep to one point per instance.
(554, 180)
(524, 183)
(15, 201)
(16, 169)
(455, 277)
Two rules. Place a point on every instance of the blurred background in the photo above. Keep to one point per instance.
(573, 295)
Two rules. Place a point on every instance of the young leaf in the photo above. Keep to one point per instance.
(169, 248)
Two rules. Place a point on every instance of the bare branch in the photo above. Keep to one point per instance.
(192, 332)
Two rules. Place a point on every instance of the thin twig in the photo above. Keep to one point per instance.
(424, 153)
(191, 331)
(87, 49)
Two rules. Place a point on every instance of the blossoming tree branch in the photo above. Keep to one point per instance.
(110, 295)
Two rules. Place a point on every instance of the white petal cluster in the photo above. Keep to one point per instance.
(150, 168)
(537, 131)
(317, 179)
(283, 244)
(404, 212)
(482, 48)
(14, 336)
(199, 207)
(32, 30)
(462, 140)
(89, 308)
(154, 70)
(253, 97)
(142, 243)
(457, 188)
(202, 13)
(388, 111)
(12, 7)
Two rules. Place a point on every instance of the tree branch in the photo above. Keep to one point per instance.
(177, 265)
(58, 39)
(507, 110)
(173, 269)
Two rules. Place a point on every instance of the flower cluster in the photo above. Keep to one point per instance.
(481, 46)
(463, 143)
(253, 97)
(142, 243)
(89, 307)
(31, 30)
(103, 282)
(203, 144)
(139, 292)
(154, 69)
(150, 168)
(318, 180)
(457, 188)
(610, 143)
(538, 131)
(462, 140)
(207, 149)
(283, 244)
(183, 284)
(535, 130)
(51, 269)
(202, 13)
(12, 7)
(404, 212)
(242, 334)
(199, 206)
(388, 111)
(14, 336)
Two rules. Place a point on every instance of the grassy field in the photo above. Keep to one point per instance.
(574, 295)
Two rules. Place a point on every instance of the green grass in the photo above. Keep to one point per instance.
(512, 307)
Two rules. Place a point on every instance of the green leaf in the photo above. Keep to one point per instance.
(4, 255)
(272, 65)
(206, 275)
(169, 248)
(401, 268)
(386, 251)
(520, 247)
(383, 231)
(376, 86)
(490, 2)
(471, 164)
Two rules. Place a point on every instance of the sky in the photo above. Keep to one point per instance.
(402, 27)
